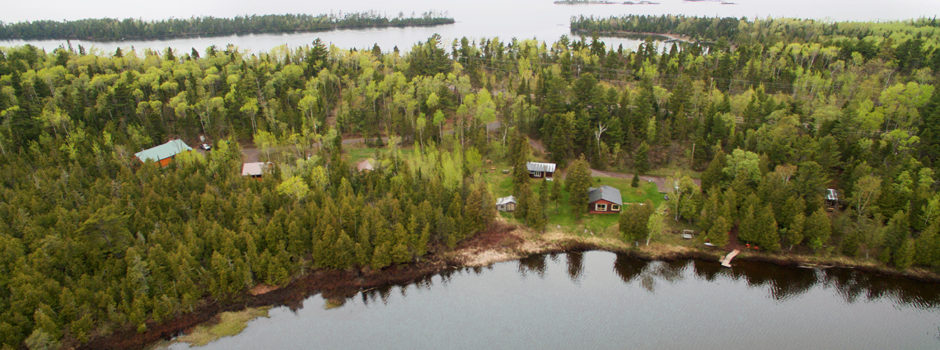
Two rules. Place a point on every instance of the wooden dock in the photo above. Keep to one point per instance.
(726, 261)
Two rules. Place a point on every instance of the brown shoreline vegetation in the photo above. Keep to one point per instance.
(502, 241)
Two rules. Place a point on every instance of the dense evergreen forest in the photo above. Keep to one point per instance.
(112, 29)
(92, 241)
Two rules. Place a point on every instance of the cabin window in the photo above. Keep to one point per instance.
(614, 207)
(600, 207)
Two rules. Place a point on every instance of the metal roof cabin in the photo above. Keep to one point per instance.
(832, 198)
(506, 203)
(164, 153)
(255, 169)
(540, 170)
(604, 200)
(365, 165)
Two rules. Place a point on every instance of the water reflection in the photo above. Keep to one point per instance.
(535, 263)
(852, 285)
(782, 282)
(809, 308)
(575, 264)
(706, 270)
(629, 268)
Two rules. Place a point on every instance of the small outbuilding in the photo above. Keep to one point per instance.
(604, 200)
(255, 169)
(164, 153)
(365, 165)
(540, 170)
(832, 198)
(506, 203)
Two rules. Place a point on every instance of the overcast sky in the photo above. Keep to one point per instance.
(19, 10)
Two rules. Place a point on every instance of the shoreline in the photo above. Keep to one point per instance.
(237, 34)
(500, 243)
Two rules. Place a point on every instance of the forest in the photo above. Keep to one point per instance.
(113, 29)
(92, 241)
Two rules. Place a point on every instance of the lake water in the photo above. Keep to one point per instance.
(506, 19)
(600, 300)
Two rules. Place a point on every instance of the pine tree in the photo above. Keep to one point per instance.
(850, 243)
(713, 175)
(748, 228)
(817, 229)
(556, 192)
(381, 257)
(344, 249)
(636, 181)
(718, 233)
(522, 202)
(904, 257)
(535, 216)
(641, 164)
(794, 234)
(578, 181)
(766, 226)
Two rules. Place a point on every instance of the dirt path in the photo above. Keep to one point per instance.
(660, 181)
(537, 145)
(250, 153)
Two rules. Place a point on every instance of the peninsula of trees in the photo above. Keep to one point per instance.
(111, 29)
(91, 240)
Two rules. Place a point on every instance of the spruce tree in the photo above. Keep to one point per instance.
(522, 202)
(713, 175)
(904, 256)
(381, 257)
(748, 228)
(817, 229)
(766, 226)
(641, 164)
(718, 233)
(578, 181)
(535, 216)
(793, 235)
(556, 192)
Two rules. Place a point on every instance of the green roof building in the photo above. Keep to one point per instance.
(164, 153)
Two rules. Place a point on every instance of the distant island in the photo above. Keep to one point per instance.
(604, 2)
(113, 29)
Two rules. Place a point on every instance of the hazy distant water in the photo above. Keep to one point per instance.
(600, 300)
(506, 19)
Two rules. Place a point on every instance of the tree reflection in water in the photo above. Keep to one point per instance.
(535, 263)
(782, 282)
(575, 262)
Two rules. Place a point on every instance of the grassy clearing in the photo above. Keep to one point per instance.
(561, 215)
(227, 324)
(357, 153)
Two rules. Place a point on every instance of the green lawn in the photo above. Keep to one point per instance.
(356, 153)
(561, 214)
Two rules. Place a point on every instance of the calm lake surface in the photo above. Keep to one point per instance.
(600, 300)
(506, 19)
